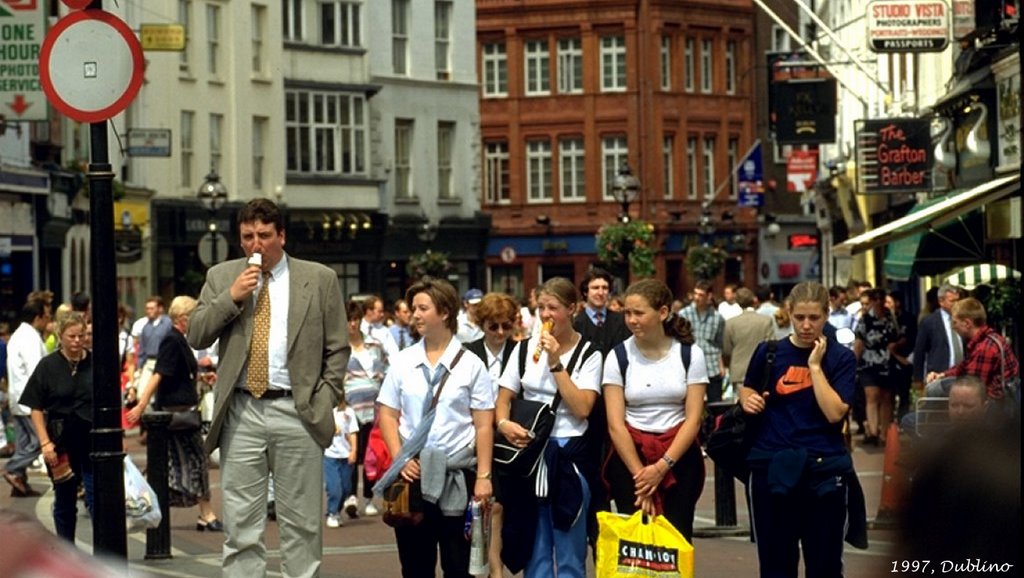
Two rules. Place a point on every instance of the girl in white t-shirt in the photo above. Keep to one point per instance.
(654, 411)
(339, 459)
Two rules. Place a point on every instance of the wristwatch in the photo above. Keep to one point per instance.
(558, 367)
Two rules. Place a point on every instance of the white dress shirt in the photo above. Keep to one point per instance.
(277, 344)
(24, 350)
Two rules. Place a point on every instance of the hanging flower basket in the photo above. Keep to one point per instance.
(428, 264)
(634, 239)
(705, 262)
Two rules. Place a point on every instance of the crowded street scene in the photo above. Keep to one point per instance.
(490, 288)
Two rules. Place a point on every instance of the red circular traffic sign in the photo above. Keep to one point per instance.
(91, 65)
(77, 4)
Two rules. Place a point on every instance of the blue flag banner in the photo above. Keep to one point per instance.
(750, 178)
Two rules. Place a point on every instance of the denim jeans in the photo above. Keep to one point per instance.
(26, 445)
(338, 479)
(556, 552)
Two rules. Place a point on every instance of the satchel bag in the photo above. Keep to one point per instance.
(403, 504)
(187, 420)
(732, 433)
(536, 417)
(403, 500)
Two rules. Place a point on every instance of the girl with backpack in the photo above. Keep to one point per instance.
(654, 385)
(545, 528)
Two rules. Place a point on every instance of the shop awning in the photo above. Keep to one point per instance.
(982, 274)
(929, 217)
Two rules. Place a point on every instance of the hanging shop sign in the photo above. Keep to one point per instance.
(805, 111)
(1008, 125)
(22, 30)
(894, 155)
(801, 171)
(908, 26)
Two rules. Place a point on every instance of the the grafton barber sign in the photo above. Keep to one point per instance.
(894, 155)
(908, 25)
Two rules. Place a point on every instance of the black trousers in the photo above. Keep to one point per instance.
(715, 388)
(418, 545)
(678, 502)
(811, 518)
(363, 440)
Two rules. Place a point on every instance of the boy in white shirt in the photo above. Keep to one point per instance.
(339, 459)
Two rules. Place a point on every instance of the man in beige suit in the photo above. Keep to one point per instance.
(742, 334)
(282, 361)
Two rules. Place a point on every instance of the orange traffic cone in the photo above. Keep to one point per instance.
(894, 481)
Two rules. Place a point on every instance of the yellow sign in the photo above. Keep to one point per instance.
(165, 37)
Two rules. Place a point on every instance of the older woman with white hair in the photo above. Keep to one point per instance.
(175, 378)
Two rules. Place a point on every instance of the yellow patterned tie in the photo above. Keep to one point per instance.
(259, 356)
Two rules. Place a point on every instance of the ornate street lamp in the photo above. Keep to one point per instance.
(625, 189)
(212, 194)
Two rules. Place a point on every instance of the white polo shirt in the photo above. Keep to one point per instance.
(539, 384)
(468, 388)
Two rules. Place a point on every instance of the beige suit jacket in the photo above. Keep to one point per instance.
(318, 348)
(742, 335)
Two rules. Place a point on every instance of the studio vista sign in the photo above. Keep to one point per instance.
(894, 155)
(908, 26)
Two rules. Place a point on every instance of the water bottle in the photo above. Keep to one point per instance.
(479, 535)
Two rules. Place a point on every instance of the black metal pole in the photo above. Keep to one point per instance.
(108, 525)
(725, 494)
(158, 540)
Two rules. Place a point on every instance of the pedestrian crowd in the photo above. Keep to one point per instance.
(320, 404)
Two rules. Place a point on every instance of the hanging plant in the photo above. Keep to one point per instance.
(634, 239)
(1002, 305)
(705, 262)
(428, 264)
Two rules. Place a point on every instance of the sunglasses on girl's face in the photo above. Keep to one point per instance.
(503, 326)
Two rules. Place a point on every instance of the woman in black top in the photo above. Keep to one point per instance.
(188, 476)
(60, 395)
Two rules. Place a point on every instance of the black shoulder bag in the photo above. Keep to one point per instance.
(732, 433)
(537, 417)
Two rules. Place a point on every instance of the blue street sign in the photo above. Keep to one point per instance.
(750, 178)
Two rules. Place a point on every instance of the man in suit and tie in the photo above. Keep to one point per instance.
(401, 329)
(605, 328)
(937, 347)
(283, 353)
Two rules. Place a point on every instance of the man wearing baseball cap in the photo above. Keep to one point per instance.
(468, 329)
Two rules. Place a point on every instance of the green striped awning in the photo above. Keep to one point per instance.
(982, 274)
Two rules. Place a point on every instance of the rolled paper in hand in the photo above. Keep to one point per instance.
(545, 329)
(256, 260)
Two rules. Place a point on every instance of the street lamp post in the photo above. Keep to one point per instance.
(212, 194)
(625, 189)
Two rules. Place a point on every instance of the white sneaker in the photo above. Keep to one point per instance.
(334, 521)
(352, 507)
(370, 510)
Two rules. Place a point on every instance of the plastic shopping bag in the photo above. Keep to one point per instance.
(140, 504)
(631, 546)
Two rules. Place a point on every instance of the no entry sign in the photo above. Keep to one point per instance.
(91, 65)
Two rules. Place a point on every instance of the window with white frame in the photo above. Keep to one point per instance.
(213, 34)
(187, 146)
(667, 161)
(613, 63)
(403, 158)
(570, 66)
(185, 18)
(340, 23)
(707, 73)
(325, 132)
(780, 39)
(258, 33)
(400, 36)
(614, 154)
(259, 150)
(537, 64)
(730, 67)
(691, 168)
(688, 64)
(538, 170)
(734, 158)
(445, 146)
(666, 62)
(495, 70)
(709, 167)
(572, 170)
(496, 189)
(216, 140)
(292, 20)
(443, 39)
